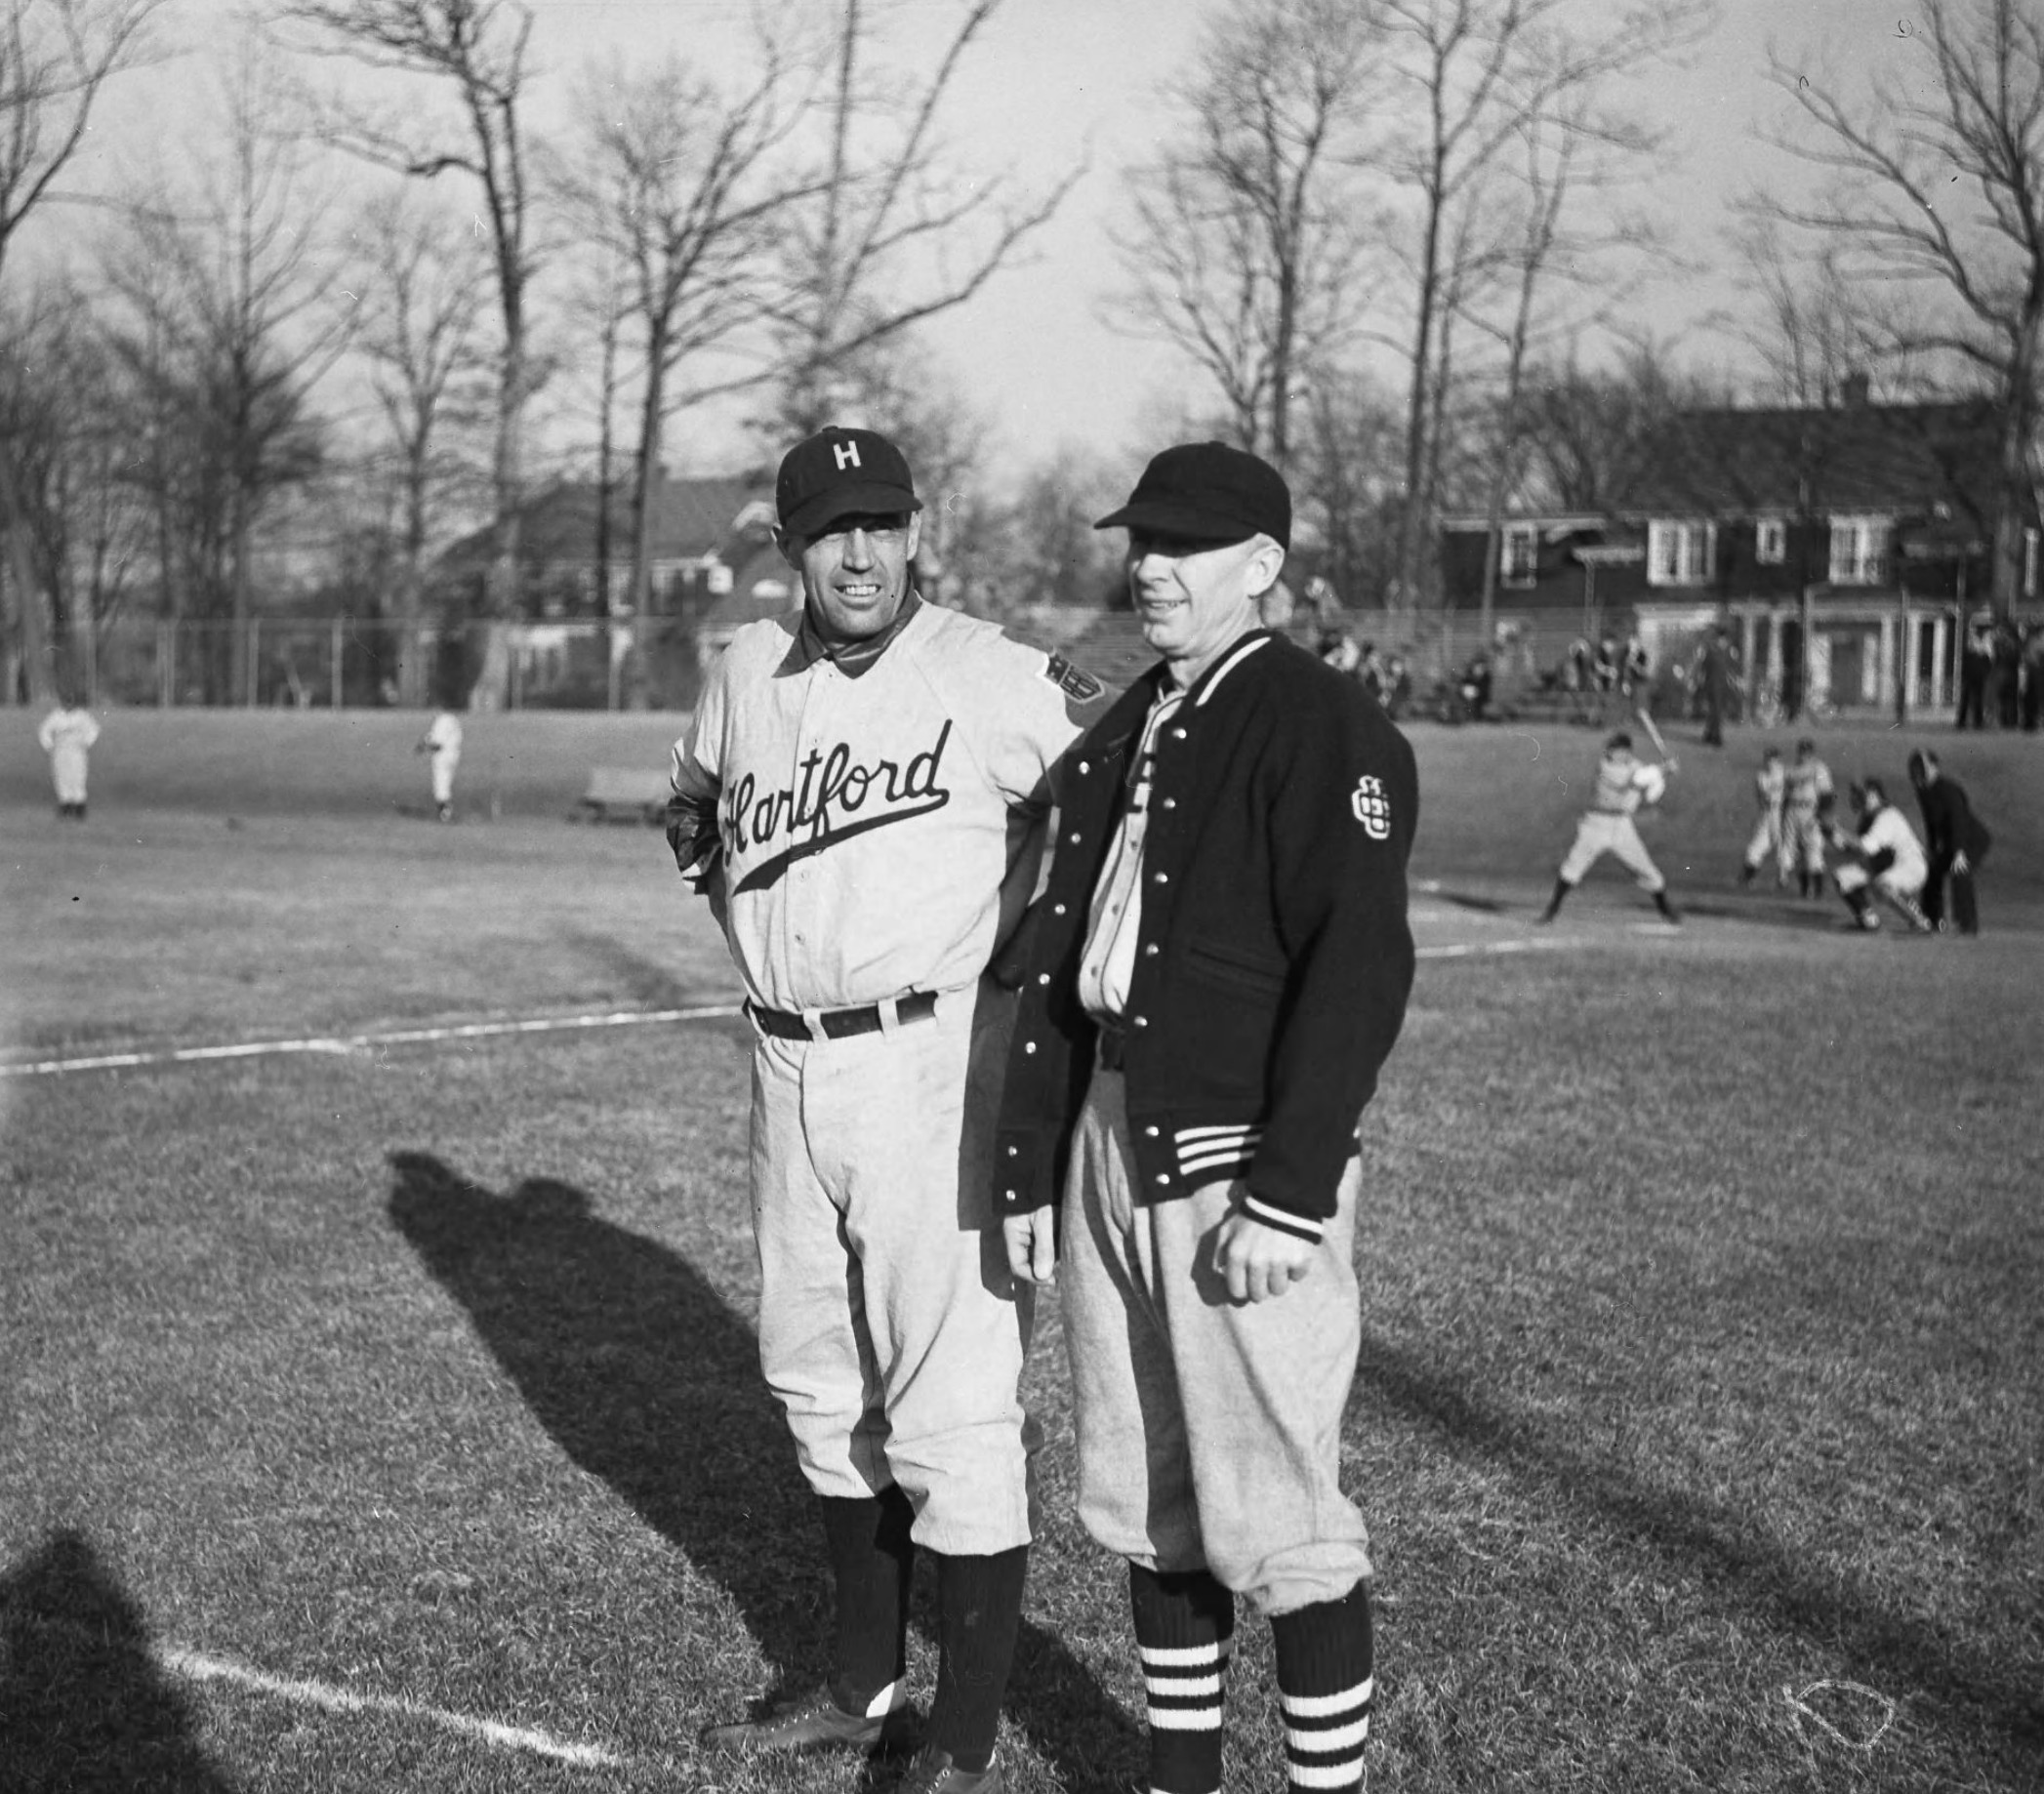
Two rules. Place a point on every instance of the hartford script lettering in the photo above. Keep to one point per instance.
(833, 798)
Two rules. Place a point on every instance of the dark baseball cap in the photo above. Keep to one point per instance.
(1207, 492)
(840, 472)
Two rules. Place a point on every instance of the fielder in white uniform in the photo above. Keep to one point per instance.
(443, 741)
(1886, 860)
(1623, 784)
(1804, 810)
(67, 734)
(1770, 839)
(861, 795)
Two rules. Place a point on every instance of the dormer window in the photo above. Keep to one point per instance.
(1859, 550)
(1771, 541)
(1681, 553)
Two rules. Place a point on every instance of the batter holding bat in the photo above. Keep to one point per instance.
(859, 797)
(1624, 782)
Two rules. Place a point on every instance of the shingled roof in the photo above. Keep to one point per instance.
(1923, 460)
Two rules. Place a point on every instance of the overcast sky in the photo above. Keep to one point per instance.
(1055, 79)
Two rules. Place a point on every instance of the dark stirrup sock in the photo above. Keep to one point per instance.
(1325, 1687)
(1184, 1631)
(979, 1609)
(871, 1560)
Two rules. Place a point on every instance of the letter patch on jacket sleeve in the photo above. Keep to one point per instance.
(1373, 807)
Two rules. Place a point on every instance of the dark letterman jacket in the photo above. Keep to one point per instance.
(1273, 958)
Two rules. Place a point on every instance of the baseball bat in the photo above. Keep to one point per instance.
(1646, 723)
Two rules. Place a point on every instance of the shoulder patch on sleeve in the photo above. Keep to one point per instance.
(1372, 804)
(1068, 679)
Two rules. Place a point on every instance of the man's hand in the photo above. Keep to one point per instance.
(1031, 1245)
(1258, 1263)
(1960, 863)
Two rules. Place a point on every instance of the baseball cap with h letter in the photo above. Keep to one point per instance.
(840, 472)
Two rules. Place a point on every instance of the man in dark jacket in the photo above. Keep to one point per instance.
(1220, 966)
(1955, 842)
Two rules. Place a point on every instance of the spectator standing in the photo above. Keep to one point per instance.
(443, 741)
(1636, 671)
(1955, 842)
(67, 734)
(2032, 676)
(1605, 665)
(1716, 683)
(1222, 969)
(1976, 665)
(1475, 689)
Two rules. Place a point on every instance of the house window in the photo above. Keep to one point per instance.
(1522, 553)
(1681, 553)
(1771, 541)
(1858, 551)
(717, 577)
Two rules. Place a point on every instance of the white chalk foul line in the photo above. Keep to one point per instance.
(363, 1043)
(346, 1044)
(200, 1666)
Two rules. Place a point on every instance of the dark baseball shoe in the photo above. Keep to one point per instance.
(934, 1772)
(813, 1722)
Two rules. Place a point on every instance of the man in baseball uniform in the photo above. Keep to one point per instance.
(1885, 860)
(1219, 967)
(66, 735)
(1806, 808)
(1623, 784)
(860, 794)
(1770, 839)
(443, 741)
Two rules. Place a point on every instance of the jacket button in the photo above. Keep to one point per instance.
(1164, 1177)
(1170, 804)
(1029, 1046)
(1012, 1151)
(1150, 1133)
(1149, 953)
(1162, 878)
(1057, 908)
(1084, 766)
(1073, 838)
(1045, 977)
(1177, 734)
(1141, 1021)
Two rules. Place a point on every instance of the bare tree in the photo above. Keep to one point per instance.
(889, 238)
(1942, 193)
(1248, 251)
(1586, 431)
(478, 49)
(672, 185)
(55, 55)
(232, 320)
(1477, 72)
(423, 283)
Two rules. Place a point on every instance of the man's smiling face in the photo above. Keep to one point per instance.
(855, 574)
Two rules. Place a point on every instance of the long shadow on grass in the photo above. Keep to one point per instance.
(1884, 1648)
(81, 1704)
(643, 1376)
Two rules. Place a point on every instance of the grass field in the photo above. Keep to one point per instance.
(385, 1414)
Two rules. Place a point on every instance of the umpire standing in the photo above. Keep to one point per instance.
(1220, 966)
(1955, 842)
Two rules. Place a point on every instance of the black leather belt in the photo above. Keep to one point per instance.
(1114, 1046)
(837, 1024)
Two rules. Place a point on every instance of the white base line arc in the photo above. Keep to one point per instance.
(348, 1045)
(199, 1666)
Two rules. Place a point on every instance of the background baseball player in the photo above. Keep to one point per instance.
(856, 795)
(66, 735)
(1623, 784)
(1770, 839)
(1806, 810)
(443, 741)
(1886, 859)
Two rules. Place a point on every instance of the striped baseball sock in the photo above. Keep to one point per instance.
(1325, 1687)
(1184, 1631)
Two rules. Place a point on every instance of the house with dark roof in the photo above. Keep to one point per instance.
(1844, 548)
